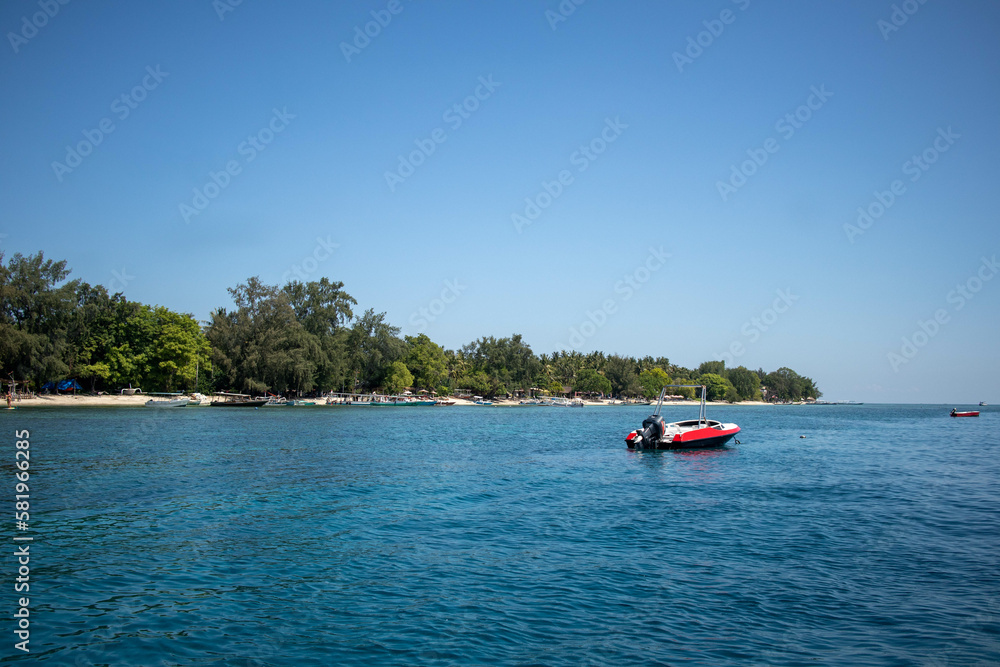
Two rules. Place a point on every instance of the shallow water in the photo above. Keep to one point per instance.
(515, 536)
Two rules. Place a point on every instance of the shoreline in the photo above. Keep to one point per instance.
(119, 401)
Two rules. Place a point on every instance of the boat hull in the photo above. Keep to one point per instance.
(965, 414)
(704, 438)
(179, 403)
(402, 404)
(238, 404)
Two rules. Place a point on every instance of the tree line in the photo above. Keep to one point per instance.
(305, 338)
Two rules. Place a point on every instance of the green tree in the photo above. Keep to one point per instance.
(178, 351)
(653, 380)
(623, 374)
(92, 334)
(746, 382)
(565, 366)
(716, 386)
(398, 378)
(713, 367)
(373, 345)
(130, 345)
(509, 362)
(324, 310)
(590, 381)
(261, 345)
(481, 384)
(322, 307)
(427, 361)
(36, 307)
(785, 384)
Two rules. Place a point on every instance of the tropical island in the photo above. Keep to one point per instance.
(304, 339)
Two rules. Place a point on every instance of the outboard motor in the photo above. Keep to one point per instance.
(649, 436)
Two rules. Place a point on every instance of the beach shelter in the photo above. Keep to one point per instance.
(62, 385)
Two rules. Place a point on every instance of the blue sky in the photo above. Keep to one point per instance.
(762, 270)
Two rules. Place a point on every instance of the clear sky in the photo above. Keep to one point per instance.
(687, 179)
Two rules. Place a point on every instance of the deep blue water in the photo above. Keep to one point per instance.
(508, 536)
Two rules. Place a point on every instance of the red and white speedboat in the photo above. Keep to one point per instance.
(698, 433)
(970, 413)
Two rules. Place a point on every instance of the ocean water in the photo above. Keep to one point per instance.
(508, 536)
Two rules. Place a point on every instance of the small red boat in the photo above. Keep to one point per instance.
(970, 413)
(698, 433)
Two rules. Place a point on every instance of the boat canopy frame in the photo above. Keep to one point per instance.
(701, 412)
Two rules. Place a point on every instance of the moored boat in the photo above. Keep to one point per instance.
(968, 413)
(197, 400)
(167, 400)
(228, 400)
(701, 433)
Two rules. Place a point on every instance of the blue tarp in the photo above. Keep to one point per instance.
(62, 385)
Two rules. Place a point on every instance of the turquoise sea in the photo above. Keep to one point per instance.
(507, 536)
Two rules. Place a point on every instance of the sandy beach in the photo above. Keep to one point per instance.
(119, 401)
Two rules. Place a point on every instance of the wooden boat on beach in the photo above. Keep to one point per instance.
(167, 400)
(197, 400)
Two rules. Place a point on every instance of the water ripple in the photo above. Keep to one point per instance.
(485, 536)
